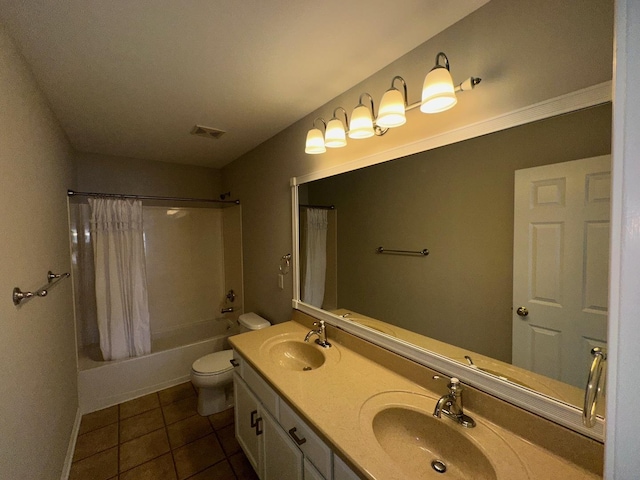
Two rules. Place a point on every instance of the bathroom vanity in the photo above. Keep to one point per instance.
(355, 410)
(277, 442)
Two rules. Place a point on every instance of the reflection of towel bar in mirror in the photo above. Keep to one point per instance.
(52, 279)
(320, 207)
(424, 252)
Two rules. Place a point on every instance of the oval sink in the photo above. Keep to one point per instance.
(421, 446)
(296, 355)
(420, 443)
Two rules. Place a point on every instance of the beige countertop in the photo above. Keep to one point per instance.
(338, 399)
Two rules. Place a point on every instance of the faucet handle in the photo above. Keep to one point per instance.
(319, 323)
(455, 386)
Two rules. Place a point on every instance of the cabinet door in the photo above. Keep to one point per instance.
(282, 458)
(311, 445)
(341, 470)
(311, 472)
(247, 420)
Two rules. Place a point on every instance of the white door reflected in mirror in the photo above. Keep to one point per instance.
(561, 266)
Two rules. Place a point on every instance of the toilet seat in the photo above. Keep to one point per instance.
(213, 364)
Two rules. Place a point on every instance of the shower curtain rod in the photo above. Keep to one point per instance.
(73, 193)
(323, 207)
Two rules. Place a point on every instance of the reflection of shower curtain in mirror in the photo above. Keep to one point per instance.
(315, 256)
(121, 284)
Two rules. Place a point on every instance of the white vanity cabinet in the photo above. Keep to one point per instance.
(311, 472)
(281, 459)
(279, 445)
(341, 470)
(314, 449)
(247, 412)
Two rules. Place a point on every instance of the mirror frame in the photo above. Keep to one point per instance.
(545, 406)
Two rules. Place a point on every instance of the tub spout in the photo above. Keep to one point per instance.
(226, 310)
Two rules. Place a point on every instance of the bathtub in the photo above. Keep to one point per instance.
(102, 384)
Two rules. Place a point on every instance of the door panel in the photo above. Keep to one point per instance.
(561, 255)
(282, 459)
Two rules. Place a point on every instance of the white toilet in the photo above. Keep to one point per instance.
(213, 373)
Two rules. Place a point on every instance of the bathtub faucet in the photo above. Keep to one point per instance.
(226, 310)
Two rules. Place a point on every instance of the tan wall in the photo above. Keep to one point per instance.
(109, 174)
(456, 201)
(525, 52)
(38, 397)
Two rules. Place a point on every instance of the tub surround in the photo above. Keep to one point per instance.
(330, 399)
(103, 384)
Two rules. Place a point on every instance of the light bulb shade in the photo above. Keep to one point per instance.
(335, 136)
(438, 93)
(361, 125)
(392, 111)
(315, 142)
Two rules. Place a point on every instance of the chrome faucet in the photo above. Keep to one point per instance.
(321, 332)
(451, 405)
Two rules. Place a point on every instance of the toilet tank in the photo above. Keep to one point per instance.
(252, 321)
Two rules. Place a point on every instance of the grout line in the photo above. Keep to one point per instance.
(165, 426)
(118, 452)
(166, 431)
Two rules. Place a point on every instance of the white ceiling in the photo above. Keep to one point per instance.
(132, 77)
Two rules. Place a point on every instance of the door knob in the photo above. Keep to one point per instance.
(522, 311)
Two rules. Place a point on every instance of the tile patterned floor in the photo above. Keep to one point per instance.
(156, 437)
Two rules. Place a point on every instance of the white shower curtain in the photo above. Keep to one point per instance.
(316, 257)
(121, 283)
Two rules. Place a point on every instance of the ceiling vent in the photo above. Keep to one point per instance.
(207, 132)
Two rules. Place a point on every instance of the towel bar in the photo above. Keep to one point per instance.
(52, 279)
(424, 252)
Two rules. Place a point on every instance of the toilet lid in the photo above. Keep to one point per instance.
(214, 363)
(253, 321)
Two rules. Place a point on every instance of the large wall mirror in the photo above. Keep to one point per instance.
(515, 223)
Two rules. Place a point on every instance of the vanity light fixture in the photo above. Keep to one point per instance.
(438, 95)
(335, 135)
(315, 139)
(361, 125)
(393, 106)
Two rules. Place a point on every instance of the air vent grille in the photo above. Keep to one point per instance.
(207, 132)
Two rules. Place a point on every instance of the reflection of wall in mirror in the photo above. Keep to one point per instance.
(457, 201)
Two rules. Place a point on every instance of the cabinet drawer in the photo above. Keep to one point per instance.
(263, 391)
(312, 446)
